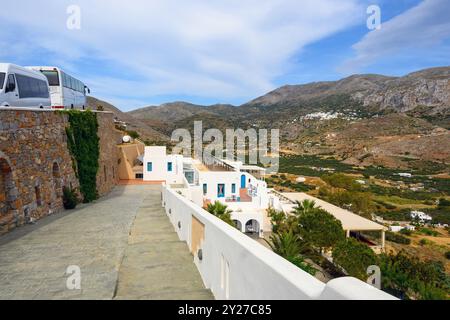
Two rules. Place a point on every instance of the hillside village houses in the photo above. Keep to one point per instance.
(243, 189)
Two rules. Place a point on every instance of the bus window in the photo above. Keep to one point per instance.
(31, 87)
(52, 77)
(2, 79)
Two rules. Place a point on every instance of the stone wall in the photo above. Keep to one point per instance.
(35, 163)
(107, 176)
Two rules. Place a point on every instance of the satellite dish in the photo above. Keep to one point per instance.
(126, 139)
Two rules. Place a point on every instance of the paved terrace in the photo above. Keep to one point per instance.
(123, 243)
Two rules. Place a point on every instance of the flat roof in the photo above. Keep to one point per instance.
(252, 168)
(350, 221)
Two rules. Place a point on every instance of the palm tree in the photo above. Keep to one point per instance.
(288, 245)
(306, 206)
(221, 211)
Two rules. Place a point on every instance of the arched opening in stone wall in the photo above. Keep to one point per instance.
(6, 187)
(56, 173)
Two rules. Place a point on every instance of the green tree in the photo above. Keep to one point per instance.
(320, 229)
(221, 211)
(277, 219)
(288, 245)
(407, 277)
(303, 207)
(355, 257)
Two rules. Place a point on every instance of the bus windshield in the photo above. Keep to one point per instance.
(52, 77)
(2, 79)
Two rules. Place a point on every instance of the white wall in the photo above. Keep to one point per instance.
(255, 272)
(159, 159)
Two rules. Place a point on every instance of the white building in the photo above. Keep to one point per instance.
(241, 187)
(421, 216)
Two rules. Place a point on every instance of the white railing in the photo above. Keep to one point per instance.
(234, 266)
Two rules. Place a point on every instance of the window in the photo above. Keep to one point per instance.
(205, 189)
(31, 87)
(64, 79)
(149, 166)
(2, 79)
(220, 190)
(233, 188)
(139, 176)
(52, 77)
(11, 82)
(169, 166)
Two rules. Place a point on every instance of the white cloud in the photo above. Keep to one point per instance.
(218, 49)
(424, 25)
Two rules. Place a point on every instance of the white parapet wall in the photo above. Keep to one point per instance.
(234, 266)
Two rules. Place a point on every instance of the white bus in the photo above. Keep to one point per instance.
(66, 92)
(21, 87)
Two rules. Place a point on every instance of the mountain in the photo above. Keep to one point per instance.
(146, 132)
(362, 119)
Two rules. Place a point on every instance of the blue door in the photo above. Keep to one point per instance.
(243, 184)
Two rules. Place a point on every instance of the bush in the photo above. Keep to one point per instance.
(406, 232)
(70, 199)
(354, 257)
(429, 232)
(447, 255)
(407, 277)
(133, 134)
(397, 238)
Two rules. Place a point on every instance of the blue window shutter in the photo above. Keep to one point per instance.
(149, 166)
(169, 166)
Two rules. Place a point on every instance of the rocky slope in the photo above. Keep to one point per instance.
(146, 132)
(361, 119)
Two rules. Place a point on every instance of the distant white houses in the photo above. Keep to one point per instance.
(421, 216)
(398, 228)
(404, 174)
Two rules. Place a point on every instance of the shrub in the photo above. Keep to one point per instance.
(407, 277)
(406, 232)
(429, 232)
(133, 134)
(447, 255)
(397, 238)
(70, 199)
(354, 257)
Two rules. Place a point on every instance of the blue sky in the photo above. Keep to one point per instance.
(139, 53)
